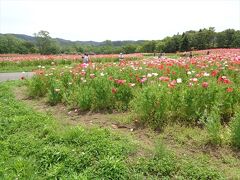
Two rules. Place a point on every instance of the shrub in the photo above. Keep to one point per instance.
(123, 96)
(150, 106)
(84, 97)
(102, 96)
(55, 92)
(37, 86)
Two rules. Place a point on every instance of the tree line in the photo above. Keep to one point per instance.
(190, 40)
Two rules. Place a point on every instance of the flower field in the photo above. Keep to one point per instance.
(37, 57)
(96, 122)
(30, 62)
(193, 91)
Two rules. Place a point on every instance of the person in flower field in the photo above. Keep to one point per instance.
(121, 57)
(86, 58)
(190, 54)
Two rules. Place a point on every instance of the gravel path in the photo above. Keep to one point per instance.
(15, 76)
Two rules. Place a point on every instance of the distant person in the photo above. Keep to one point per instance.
(121, 57)
(190, 55)
(163, 55)
(85, 58)
(185, 54)
(208, 52)
(160, 55)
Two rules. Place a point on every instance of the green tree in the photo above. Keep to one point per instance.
(229, 35)
(149, 46)
(236, 41)
(45, 44)
(29, 46)
(184, 44)
(130, 48)
(172, 43)
(225, 39)
(78, 48)
(160, 46)
(3, 44)
(108, 43)
(11, 44)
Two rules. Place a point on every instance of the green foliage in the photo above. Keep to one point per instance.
(236, 39)
(123, 96)
(159, 105)
(108, 168)
(171, 44)
(20, 66)
(46, 44)
(196, 169)
(164, 165)
(102, 97)
(150, 106)
(160, 166)
(37, 86)
(39, 149)
(149, 46)
(235, 128)
(84, 98)
(184, 44)
(94, 95)
(55, 92)
(11, 44)
(128, 49)
(213, 126)
(226, 38)
(34, 146)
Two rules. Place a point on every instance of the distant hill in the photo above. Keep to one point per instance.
(25, 37)
(69, 42)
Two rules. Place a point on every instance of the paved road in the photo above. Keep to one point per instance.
(15, 76)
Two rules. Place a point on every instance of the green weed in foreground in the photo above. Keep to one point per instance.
(164, 165)
(34, 146)
(213, 126)
(235, 126)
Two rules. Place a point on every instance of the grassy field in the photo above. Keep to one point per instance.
(28, 66)
(39, 143)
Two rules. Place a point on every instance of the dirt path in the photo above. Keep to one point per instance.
(15, 76)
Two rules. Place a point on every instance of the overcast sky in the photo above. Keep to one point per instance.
(100, 20)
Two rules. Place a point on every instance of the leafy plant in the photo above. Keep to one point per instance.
(37, 86)
(235, 128)
(212, 123)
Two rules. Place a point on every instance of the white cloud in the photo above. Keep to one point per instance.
(116, 19)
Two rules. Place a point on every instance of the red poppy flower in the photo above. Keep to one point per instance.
(214, 72)
(204, 84)
(114, 90)
(164, 78)
(229, 89)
